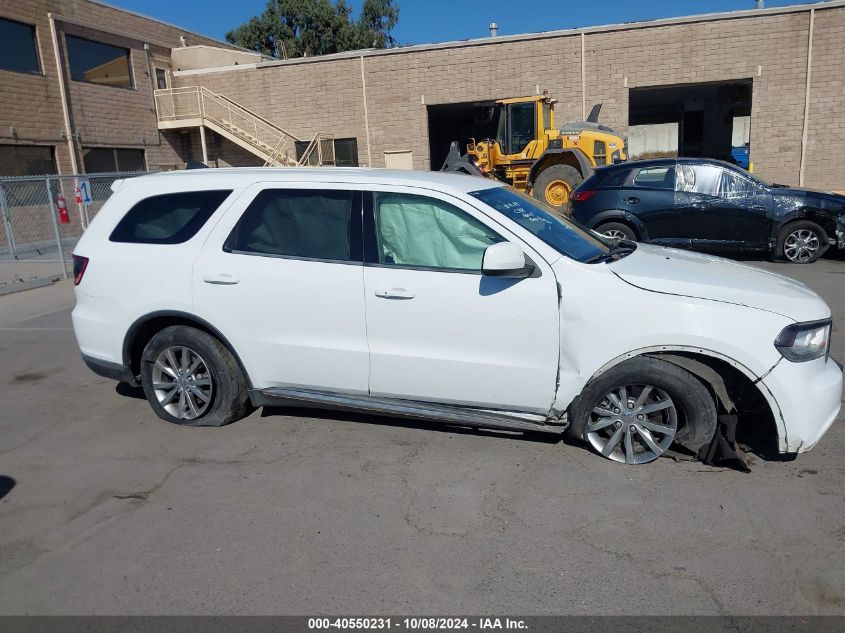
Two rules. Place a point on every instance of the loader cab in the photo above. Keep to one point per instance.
(522, 122)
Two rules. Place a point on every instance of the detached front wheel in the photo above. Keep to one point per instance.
(635, 411)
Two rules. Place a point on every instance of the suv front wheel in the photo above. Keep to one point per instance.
(190, 378)
(636, 410)
(802, 242)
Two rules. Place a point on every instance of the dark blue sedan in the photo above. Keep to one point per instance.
(708, 205)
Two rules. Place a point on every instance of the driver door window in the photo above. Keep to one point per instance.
(732, 187)
(421, 232)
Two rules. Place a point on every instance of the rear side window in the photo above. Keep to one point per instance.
(170, 218)
(606, 178)
(296, 223)
(655, 178)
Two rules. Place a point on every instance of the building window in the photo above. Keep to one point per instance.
(161, 78)
(27, 160)
(18, 47)
(98, 63)
(346, 152)
(106, 159)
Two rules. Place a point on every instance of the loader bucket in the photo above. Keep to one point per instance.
(457, 163)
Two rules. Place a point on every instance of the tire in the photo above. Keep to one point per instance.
(215, 374)
(802, 242)
(616, 231)
(691, 411)
(560, 180)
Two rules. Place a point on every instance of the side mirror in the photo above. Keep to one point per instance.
(505, 259)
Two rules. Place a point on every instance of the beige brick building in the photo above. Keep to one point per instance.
(112, 111)
(782, 67)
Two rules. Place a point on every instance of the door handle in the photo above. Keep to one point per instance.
(632, 200)
(221, 279)
(395, 293)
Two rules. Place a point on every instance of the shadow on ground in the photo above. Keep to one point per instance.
(6, 485)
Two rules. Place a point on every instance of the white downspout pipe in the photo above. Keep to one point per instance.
(71, 145)
(366, 114)
(807, 99)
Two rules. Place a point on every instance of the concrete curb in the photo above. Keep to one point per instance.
(20, 286)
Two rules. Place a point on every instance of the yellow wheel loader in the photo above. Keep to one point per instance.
(532, 155)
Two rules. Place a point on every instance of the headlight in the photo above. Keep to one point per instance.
(804, 341)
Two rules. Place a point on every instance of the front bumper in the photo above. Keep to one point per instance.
(807, 400)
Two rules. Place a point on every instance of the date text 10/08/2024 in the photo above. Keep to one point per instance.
(416, 624)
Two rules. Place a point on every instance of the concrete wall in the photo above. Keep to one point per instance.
(203, 56)
(769, 48)
(825, 157)
(656, 139)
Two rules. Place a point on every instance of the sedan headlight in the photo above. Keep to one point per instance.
(801, 342)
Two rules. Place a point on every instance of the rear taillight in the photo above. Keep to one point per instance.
(581, 196)
(79, 265)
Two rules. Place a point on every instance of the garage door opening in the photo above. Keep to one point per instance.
(711, 120)
(457, 122)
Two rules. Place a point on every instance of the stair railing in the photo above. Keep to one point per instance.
(265, 138)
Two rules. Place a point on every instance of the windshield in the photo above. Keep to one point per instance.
(563, 235)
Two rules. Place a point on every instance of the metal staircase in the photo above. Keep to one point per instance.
(197, 106)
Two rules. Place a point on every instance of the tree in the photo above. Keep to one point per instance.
(296, 28)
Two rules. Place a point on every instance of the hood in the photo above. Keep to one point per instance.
(678, 272)
(801, 192)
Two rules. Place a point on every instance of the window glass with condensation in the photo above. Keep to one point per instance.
(419, 231)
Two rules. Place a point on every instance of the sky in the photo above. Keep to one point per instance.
(427, 21)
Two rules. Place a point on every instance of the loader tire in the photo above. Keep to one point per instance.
(554, 186)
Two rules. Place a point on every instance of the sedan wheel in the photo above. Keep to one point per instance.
(182, 382)
(633, 424)
(802, 246)
(614, 234)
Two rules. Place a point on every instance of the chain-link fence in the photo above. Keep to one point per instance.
(44, 216)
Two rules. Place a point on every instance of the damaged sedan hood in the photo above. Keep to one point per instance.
(678, 272)
(827, 198)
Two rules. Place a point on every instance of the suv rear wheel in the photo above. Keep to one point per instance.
(190, 378)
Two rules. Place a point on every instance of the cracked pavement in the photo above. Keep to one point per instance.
(301, 511)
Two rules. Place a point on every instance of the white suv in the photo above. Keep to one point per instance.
(441, 297)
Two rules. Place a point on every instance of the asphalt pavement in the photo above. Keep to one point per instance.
(106, 509)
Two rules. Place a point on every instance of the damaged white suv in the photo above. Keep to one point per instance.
(440, 297)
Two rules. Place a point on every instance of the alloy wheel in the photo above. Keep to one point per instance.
(614, 234)
(801, 245)
(633, 424)
(182, 383)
